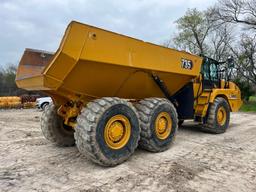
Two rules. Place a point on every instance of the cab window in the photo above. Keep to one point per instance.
(210, 70)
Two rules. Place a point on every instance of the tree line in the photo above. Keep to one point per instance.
(7, 81)
(225, 29)
(8, 86)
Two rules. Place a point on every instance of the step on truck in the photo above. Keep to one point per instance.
(112, 93)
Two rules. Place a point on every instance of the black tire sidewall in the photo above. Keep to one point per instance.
(59, 128)
(159, 142)
(54, 130)
(115, 154)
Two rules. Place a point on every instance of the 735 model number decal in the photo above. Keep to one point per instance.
(186, 64)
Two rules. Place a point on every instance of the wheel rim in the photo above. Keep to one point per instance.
(221, 116)
(163, 125)
(117, 131)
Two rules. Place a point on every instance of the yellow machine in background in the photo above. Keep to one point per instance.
(112, 92)
(10, 102)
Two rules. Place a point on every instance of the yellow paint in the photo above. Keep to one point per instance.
(163, 125)
(10, 102)
(232, 95)
(202, 103)
(221, 116)
(117, 132)
(68, 112)
(93, 63)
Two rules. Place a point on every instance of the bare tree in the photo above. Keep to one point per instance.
(220, 40)
(236, 12)
(245, 54)
(7, 80)
(217, 33)
(199, 34)
(168, 43)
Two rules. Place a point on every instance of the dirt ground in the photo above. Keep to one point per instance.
(196, 162)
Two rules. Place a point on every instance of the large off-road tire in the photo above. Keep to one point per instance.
(159, 124)
(54, 129)
(108, 131)
(218, 117)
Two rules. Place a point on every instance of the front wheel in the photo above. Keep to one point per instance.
(218, 117)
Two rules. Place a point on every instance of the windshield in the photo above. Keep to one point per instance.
(210, 69)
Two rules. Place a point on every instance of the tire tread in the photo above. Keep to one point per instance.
(145, 109)
(85, 132)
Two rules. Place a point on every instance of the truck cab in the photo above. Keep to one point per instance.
(214, 86)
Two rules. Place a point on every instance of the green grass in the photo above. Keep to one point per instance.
(249, 106)
(253, 98)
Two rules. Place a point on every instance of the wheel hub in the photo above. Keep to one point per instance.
(117, 132)
(163, 125)
(221, 116)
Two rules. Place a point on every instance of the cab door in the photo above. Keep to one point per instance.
(210, 74)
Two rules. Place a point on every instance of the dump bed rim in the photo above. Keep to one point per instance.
(180, 51)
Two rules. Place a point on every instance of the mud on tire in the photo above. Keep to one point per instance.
(148, 110)
(91, 124)
(53, 128)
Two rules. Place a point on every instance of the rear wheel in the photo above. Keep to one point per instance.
(159, 124)
(218, 117)
(54, 129)
(108, 131)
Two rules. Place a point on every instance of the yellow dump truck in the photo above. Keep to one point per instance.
(112, 93)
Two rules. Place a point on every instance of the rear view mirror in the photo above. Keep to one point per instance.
(230, 62)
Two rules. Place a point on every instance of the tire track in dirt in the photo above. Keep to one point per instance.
(196, 162)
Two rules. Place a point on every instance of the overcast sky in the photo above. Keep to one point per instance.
(40, 24)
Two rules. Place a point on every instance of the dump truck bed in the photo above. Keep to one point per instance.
(93, 63)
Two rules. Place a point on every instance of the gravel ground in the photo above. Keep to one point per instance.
(196, 162)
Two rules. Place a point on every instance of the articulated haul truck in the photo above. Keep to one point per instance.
(112, 93)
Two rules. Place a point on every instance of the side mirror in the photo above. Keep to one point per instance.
(230, 62)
